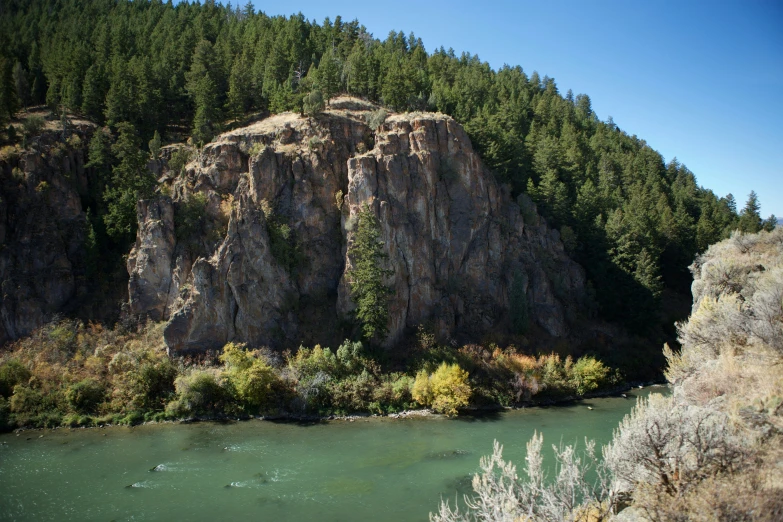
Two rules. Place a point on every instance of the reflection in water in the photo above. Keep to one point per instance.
(380, 470)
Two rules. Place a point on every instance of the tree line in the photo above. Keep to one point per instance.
(145, 67)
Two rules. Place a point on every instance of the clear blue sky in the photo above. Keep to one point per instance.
(699, 80)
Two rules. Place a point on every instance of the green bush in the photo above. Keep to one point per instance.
(190, 217)
(351, 359)
(84, 396)
(26, 400)
(353, 393)
(33, 125)
(179, 159)
(589, 374)
(313, 103)
(12, 372)
(152, 384)
(199, 392)
(392, 394)
(253, 381)
(282, 240)
(307, 363)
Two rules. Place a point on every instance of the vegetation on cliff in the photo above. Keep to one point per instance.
(711, 450)
(183, 69)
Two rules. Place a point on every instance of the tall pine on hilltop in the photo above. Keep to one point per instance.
(634, 222)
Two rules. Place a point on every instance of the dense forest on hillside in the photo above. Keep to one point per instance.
(148, 69)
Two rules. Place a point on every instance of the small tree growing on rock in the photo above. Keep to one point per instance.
(366, 276)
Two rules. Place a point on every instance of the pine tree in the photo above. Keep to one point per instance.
(22, 84)
(366, 276)
(239, 87)
(93, 93)
(154, 146)
(750, 219)
(130, 181)
(328, 77)
(203, 89)
(8, 100)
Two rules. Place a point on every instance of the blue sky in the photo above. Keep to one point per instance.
(699, 80)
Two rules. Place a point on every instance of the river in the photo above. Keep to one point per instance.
(370, 469)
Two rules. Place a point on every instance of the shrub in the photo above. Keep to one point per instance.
(421, 391)
(5, 417)
(252, 379)
(376, 118)
(85, 395)
(199, 392)
(351, 359)
(580, 491)
(314, 142)
(313, 103)
(190, 217)
(307, 363)
(671, 446)
(179, 159)
(588, 375)
(33, 125)
(445, 391)
(282, 241)
(12, 372)
(152, 384)
(352, 393)
(74, 141)
(392, 394)
(554, 372)
(26, 400)
(9, 153)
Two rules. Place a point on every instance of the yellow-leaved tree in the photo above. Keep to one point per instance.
(445, 391)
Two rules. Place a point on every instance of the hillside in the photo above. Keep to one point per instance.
(193, 71)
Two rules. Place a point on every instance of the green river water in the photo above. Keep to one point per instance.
(371, 469)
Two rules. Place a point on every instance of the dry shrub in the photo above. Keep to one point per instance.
(739, 497)
(672, 446)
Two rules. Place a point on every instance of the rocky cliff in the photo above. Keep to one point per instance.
(42, 229)
(267, 263)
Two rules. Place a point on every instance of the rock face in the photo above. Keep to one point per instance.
(269, 263)
(42, 231)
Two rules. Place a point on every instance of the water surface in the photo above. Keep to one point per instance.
(370, 469)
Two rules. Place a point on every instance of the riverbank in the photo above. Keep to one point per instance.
(616, 392)
(71, 374)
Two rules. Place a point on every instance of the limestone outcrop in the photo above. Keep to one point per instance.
(268, 263)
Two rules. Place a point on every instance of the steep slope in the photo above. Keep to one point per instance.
(456, 241)
(42, 229)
